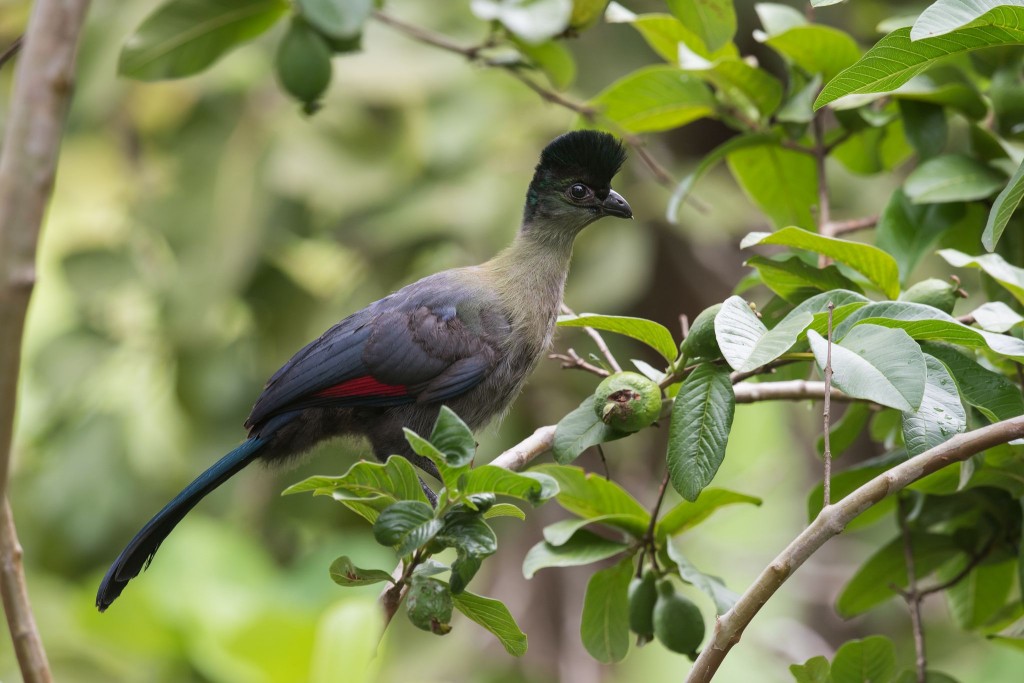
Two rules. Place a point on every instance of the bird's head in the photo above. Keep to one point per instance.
(571, 186)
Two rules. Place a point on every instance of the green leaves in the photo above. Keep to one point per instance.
(1009, 276)
(337, 18)
(689, 514)
(1002, 209)
(701, 420)
(604, 628)
(952, 178)
(944, 16)
(579, 430)
(184, 37)
(589, 495)
(876, 265)
(995, 396)
(873, 582)
(406, 525)
(713, 20)
(816, 49)
(451, 446)
(653, 99)
(649, 332)
(532, 20)
(495, 617)
(940, 415)
(345, 573)
(896, 59)
(782, 182)
(872, 659)
(744, 340)
(583, 547)
(877, 364)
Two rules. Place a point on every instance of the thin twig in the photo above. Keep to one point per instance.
(830, 522)
(572, 360)
(911, 595)
(11, 51)
(837, 228)
(599, 341)
(827, 412)
(40, 98)
(648, 537)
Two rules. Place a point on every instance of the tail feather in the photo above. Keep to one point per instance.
(137, 556)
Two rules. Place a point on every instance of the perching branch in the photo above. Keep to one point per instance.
(830, 522)
(572, 360)
(39, 103)
(598, 341)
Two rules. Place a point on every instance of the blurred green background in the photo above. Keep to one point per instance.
(203, 230)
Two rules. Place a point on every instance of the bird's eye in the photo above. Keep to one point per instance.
(579, 191)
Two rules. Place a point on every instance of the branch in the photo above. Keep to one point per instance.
(28, 160)
(827, 414)
(837, 228)
(830, 522)
(12, 50)
(598, 341)
(572, 360)
(912, 595)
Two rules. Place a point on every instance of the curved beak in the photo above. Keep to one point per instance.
(615, 205)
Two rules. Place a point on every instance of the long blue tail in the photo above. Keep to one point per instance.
(140, 551)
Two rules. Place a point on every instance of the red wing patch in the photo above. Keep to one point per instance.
(365, 386)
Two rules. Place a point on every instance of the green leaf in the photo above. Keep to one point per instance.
(876, 265)
(337, 18)
(944, 16)
(895, 59)
(585, 547)
(495, 617)
(560, 532)
(649, 332)
(782, 182)
(604, 628)
(871, 660)
(995, 316)
(907, 230)
(406, 525)
(794, 280)
(925, 323)
(368, 487)
(579, 430)
(589, 495)
(553, 58)
(755, 91)
(712, 586)
(687, 515)
(664, 33)
(709, 161)
(952, 178)
(981, 594)
(1003, 208)
(344, 573)
(814, 670)
(873, 582)
(655, 98)
(876, 364)
(529, 486)
(1010, 277)
(701, 419)
(940, 416)
(744, 340)
(713, 20)
(910, 676)
(946, 88)
(505, 510)
(453, 438)
(990, 392)
(816, 49)
(184, 37)
(473, 540)
(925, 126)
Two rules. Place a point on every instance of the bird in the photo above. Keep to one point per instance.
(466, 338)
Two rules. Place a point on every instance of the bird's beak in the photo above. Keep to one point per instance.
(615, 205)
